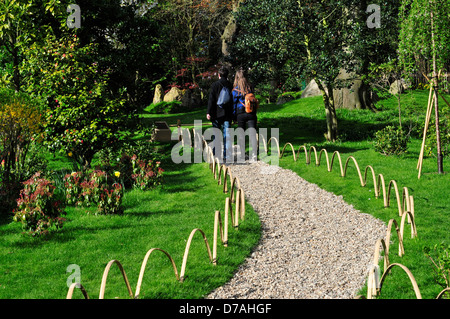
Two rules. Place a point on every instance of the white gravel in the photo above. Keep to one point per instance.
(313, 245)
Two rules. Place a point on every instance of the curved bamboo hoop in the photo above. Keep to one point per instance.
(381, 243)
(292, 148)
(186, 251)
(374, 179)
(413, 224)
(340, 162)
(242, 204)
(222, 170)
(185, 137)
(72, 288)
(222, 228)
(144, 264)
(216, 164)
(225, 178)
(397, 196)
(381, 184)
(373, 281)
(357, 169)
(105, 276)
(234, 182)
(315, 155)
(401, 249)
(269, 143)
(307, 158)
(439, 296)
(408, 272)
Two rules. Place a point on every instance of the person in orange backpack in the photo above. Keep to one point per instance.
(245, 106)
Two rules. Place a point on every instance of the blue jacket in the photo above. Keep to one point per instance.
(238, 102)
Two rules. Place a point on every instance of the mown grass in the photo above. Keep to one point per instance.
(161, 218)
(164, 217)
(302, 122)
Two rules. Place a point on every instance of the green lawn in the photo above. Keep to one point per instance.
(164, 217)
(161, 218)
(302, 122)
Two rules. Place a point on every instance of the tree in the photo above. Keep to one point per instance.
(23, 22)
(312, 35)
(82, 116)
(424, 36)
(192, 32)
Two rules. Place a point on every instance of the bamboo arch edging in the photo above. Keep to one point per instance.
(441, 294)
(410, 276)
(72, 288)
(292, 148)
(374, 271)
(105, 276)
(144, 264)
(186, 251)
(401, 249)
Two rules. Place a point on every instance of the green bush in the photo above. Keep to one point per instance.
(39, 207)
(95, 189)
(391, 141)
(439, 256)
(165, 108)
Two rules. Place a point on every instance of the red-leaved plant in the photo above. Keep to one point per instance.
(96, 189)
(146, 174)
(38, 208)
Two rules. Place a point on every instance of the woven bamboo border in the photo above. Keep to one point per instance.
(220, 229)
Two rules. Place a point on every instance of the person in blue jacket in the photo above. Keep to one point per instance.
(246, 121)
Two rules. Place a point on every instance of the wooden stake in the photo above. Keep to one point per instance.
(424, 138)
(427, 121)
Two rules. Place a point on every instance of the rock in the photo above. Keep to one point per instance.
(175, 94)
(398, 87)
(159, 94)
(312, 89)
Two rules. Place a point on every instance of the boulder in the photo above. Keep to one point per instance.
(312, 89)
(399, 87)
(159, 94)
(175, 94)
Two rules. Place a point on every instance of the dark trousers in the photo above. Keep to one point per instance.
(247, 121)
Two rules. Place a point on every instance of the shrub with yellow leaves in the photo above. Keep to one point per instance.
(20, 120)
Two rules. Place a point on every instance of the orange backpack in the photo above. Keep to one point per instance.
(251, 102)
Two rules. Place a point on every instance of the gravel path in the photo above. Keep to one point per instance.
(313, 244)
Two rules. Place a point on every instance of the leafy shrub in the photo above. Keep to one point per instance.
(39, 208)
(439, 256)
(146, 174)
(391, 141)
(121, 160)
(165, 108)
(95, 189)
(72, 183)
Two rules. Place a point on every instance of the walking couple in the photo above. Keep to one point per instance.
(233, 103)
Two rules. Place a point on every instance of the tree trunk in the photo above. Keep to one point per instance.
(436, 107)
(330, 112)
(230, 29)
